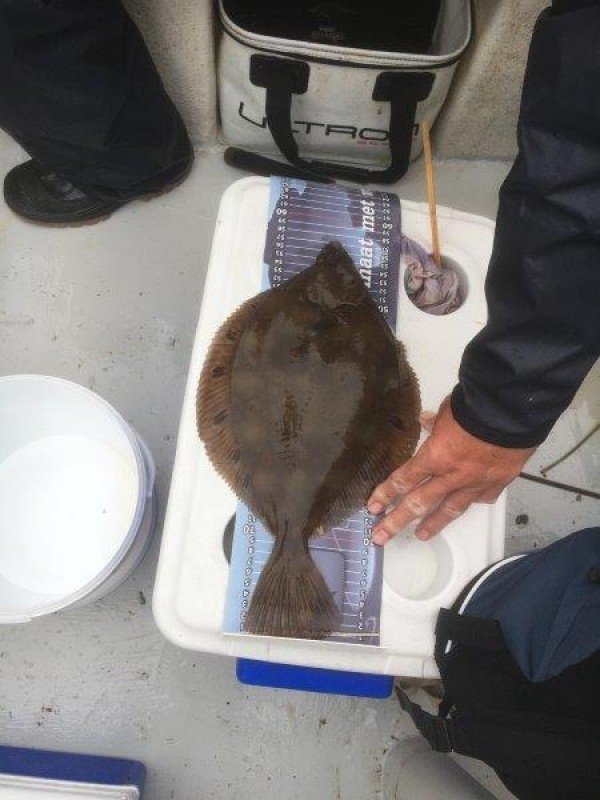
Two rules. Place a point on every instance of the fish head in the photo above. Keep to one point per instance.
(333, 281)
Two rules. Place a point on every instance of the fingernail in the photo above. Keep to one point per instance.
(380, 537)
(422, 534)
(375, 508)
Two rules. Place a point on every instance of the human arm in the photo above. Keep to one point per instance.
(543, 290)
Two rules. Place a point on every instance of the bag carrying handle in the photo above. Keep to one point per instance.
(284, 77)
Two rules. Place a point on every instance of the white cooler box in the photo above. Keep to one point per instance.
(419, 577)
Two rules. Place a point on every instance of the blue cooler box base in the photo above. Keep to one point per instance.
(50, 765)
(312, 679)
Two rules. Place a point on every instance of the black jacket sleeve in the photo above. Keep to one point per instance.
(543, 284)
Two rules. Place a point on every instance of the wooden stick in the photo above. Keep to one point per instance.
(431, 195)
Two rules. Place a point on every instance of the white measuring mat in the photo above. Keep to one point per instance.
(419, 577)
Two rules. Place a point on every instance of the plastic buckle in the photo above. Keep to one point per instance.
(434, 729)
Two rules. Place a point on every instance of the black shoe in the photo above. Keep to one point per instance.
(44, 197)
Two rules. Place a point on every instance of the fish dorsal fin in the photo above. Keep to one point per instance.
(213, 401)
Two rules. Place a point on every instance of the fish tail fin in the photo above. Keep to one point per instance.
(292, 599)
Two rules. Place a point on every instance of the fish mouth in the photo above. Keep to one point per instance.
(228, 532)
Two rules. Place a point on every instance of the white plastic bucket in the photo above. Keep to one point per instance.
(77, 501)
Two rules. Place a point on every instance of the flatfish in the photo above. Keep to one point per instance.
(305, 403)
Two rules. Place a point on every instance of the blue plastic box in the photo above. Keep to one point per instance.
(311, 679)
(22, 768)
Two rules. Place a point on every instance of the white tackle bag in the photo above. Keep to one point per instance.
(335, 89)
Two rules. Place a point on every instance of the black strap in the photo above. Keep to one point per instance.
(434, 729)
(498, 737)
(284, 77)
(263, 165)
(403, 90)
(577, 741)
(559, 751)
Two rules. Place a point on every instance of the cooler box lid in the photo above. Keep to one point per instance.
(191, 582)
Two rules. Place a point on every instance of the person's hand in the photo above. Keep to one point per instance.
(451, 470)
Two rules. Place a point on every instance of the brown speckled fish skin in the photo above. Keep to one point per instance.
(305, 403)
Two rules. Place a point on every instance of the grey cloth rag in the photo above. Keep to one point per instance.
(433, 289)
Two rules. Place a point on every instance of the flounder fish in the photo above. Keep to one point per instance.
(305, 403)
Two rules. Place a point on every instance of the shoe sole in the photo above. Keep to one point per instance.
(106, 214)
(159, 193)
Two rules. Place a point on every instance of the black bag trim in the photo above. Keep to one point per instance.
(498, 737)
(284, 77)
(474, 631)
(473, 736)
(263, 165)
(486, 634)
(434, 729)
(336, 62)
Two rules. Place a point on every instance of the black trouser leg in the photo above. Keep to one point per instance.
(79, 91)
